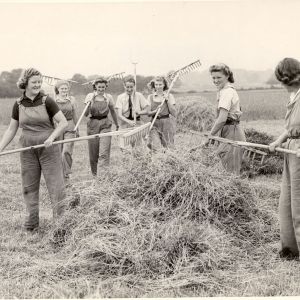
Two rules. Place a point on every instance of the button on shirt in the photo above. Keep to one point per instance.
(139, 103)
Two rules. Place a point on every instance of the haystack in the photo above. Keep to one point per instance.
(167, 218)
(195, 115)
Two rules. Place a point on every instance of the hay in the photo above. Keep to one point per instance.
(169, 218)
(273, 163)
(195, 115)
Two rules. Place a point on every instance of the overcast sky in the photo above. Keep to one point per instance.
(104, 38)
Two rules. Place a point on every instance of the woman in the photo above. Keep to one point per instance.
(288, 73)
(66, 104)
(131, 105)
(227, 124)
(163, 130)
(101, 104)
(35, 112)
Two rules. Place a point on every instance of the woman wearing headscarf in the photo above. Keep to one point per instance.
(35, 113)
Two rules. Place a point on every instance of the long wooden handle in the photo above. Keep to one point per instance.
(244, 144)
(83, 138)
(81, 116)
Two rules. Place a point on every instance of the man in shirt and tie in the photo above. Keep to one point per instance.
(131, 105)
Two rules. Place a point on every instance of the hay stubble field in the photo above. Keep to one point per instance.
(170, 225)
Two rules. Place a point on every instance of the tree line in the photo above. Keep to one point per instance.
(8, 87)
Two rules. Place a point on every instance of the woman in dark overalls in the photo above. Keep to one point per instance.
(35, 112)
(163, 131)
(101, 104)
(227, 124)
(67, 105)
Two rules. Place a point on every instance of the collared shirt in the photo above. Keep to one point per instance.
(139, 102)
(51, 106)
(228, 99)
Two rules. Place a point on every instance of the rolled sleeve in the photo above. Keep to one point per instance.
(119, 102)
(225, 99)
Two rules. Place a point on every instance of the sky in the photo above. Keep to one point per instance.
(61, 39)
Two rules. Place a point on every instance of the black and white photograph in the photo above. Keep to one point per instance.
(149, 149)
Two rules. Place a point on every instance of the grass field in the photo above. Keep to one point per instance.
(33, 267)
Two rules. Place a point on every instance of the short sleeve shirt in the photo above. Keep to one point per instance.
(51, 106)
(228, 99)
(138, 100)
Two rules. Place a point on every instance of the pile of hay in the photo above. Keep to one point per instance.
(195, 115)
(273, 163)
(162, 221)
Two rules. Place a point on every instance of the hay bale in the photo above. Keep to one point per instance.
(273, 163)
(195, 115)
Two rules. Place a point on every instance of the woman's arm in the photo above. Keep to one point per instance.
(75, 117)
(281, 139)
(62, 123)
(113, 113)
(9, 134)
(220, 122)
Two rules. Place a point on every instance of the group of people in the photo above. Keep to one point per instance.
(44, 120)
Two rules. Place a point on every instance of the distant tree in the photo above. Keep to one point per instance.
(78, 88)
(8, 80)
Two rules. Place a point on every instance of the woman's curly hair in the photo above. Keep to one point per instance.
(288, 71)
(59, 83)
(25, 76)
(151, 84)
(100, 80)
(224, 69)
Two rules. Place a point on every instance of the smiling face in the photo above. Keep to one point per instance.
(100, 87)
(219, 79)
(34, 85)
(159, 86)
(129, 87)
(63, 90)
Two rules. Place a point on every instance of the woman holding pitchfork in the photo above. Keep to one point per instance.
(288, 73)
(35, 112)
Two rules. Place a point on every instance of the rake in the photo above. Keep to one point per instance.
(50, 80)
(83, 138)
(111, 77)
(249, 147)
(173, 76)
(137, 134)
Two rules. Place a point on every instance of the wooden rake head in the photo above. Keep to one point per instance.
(116, 76)
(50, 80)
(185, 70)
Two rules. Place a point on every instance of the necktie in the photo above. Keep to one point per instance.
(130, 108)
